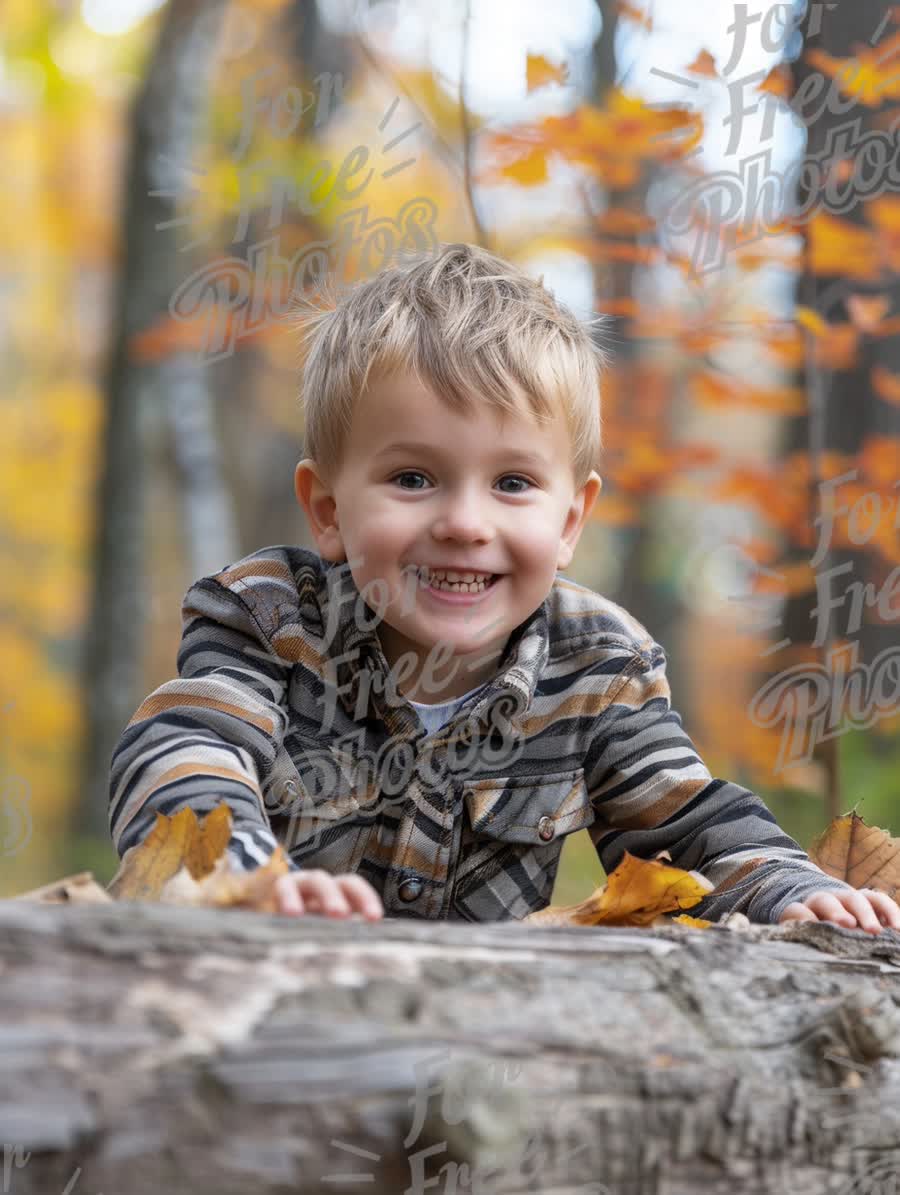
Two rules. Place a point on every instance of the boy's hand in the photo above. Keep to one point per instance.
(864, 908)
(317, 891)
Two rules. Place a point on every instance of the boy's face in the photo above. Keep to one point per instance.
(422, 487)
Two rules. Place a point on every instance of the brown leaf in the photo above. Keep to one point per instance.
(636, 893)
(859, 854)
(79, 889)
(223, 888)
(172, 843)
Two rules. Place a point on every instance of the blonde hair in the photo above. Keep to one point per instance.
(471, 327)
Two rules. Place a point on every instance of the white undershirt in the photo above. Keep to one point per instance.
(433, 717)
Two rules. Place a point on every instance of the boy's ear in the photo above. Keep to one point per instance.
(581, 507)
(318, 503)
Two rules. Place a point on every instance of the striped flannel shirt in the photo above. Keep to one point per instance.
(285, 708)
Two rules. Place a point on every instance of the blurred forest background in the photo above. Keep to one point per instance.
(173, 170)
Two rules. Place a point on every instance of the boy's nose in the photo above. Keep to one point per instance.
(463, 518)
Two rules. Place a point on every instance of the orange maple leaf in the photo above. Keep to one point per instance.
(637, 892)
(867, 311)
(778, 82)
(528, 171)
(870, 77)
(539, 72)
(811, 321)
(886, 384)
(879, 459)
(704, 64)
(633, 13)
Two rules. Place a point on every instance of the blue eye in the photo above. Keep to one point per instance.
(410, 473)
(524, 482)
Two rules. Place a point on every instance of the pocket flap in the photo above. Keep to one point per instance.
(533, 809)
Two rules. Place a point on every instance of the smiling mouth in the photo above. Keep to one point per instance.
(459, 587)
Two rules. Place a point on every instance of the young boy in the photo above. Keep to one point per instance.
(422, 711)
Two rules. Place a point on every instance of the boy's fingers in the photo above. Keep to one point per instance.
(886, 908)
(317, 891)
(857, 904)
(323, 893)
(289, 899)
(362, 896)
(797, 912)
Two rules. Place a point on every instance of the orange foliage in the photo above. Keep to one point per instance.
(638, 892)
(779, 82)
(886, 384)
(614, 142)
(639, 15)
(704, 64)
(839, 247)
(539, 72)
(870, 77)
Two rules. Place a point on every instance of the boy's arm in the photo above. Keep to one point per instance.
(649, 785)
(212, 735)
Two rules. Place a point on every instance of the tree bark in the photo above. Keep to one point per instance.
(642, 596)
(846, 411)
(149, 1048)
(140, 395)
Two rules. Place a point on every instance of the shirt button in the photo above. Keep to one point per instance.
(410, 890)
(546, 828)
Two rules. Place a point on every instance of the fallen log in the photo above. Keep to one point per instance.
(149, 1048)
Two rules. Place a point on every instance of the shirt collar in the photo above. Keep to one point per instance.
(357, 649)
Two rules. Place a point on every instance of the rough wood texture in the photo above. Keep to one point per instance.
(147, 1049)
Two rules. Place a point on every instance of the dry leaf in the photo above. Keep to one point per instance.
(539, 72)
(861, 855)
(811, 320)
(639, 15)
(183, 860)
(778, 82)
(223, 888)
(886, 384)
(637, 892)
(79, 889)
(704, 64)
(173, 842)
(867, 311)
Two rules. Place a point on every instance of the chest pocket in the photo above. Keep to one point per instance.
(307, 795)
(529, 809)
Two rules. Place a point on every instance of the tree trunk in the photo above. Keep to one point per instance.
(847, 411)
(150, 1048)
(140, 396)
(642, 596)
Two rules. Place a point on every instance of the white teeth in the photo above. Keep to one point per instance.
(453, 581)
(441, 574)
